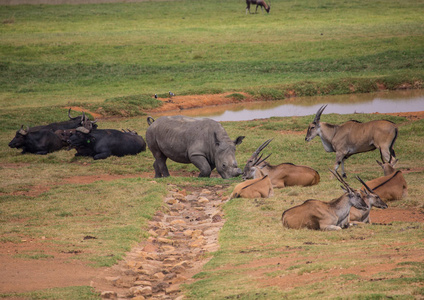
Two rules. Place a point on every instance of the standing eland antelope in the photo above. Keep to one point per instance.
(391, 186)
(354, 137)
(282, 175)
(260, 3)
(372, 200)
(319, 215)
(254, 188)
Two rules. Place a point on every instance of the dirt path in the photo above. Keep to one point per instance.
(174, 252)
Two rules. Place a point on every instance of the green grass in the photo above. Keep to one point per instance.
(113, 57)
(52, 55)
(68, 293)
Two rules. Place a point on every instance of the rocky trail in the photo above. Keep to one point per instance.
(176, 250)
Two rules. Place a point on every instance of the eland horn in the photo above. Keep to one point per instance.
(319, 113)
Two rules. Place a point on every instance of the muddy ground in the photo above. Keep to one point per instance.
(123, 280)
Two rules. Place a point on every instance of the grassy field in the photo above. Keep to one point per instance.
(115, 56)
(54, 55)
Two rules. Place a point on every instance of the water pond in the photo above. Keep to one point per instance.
(382, 102)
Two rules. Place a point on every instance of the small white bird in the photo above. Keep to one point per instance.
(171, 94)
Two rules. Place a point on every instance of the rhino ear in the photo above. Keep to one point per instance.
(217, 142)
(239, 140)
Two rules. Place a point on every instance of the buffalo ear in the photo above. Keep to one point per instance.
(239, 140)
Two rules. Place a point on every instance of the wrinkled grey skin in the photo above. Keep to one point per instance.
(204, 143)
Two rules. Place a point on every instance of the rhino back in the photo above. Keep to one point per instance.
(178, 137)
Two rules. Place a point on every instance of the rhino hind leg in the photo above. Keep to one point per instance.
(161, 170)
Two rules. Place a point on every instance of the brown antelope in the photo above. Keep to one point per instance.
(354, 137)
(282, 175)
(319, 215)
(388, 167)
(254, 188)
(392, 186)
(260, 3)
(371, 199)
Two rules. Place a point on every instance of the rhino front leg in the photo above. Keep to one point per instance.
(202, 164)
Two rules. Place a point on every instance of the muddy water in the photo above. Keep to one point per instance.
(382, 102)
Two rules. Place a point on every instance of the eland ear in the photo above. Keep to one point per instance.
(394, 162)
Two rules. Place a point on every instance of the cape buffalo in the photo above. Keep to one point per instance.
(204, 143)
(102, 143)
(42, 139)
(38, 142)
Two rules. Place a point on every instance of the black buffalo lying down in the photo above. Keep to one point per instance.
(42, 139)
(102, 143)
(38, 142)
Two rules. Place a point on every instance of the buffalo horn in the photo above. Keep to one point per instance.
(23, 131)
(69, 113)
(319, 112)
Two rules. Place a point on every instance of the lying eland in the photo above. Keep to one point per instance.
(254, 188)
(391, 186)
(372, 200)
(354, 137)
(319, 215)
(282, 175)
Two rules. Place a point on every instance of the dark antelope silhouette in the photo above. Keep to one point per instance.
(258, 3)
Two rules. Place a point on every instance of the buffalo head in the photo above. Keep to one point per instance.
(19, 140)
